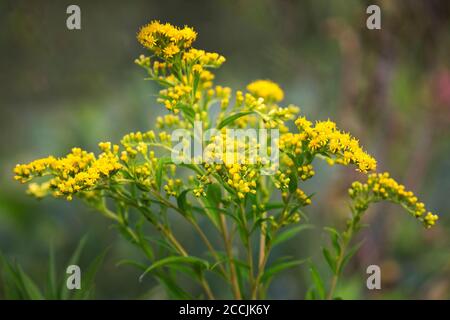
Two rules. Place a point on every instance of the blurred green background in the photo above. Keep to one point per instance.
(389, 87)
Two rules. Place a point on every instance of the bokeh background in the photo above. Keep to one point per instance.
(389, 87)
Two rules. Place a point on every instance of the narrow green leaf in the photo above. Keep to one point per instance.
(214, 193)
(64, 292)
(175, 291)
(290, 233)
(276, 268)
(274, 205)
(144, 244)
(318, 282)
(230, 119)
(133, 263)
(293, 182)
(330, 260)
(203, 264)
(13, 288)
(87, 280)
(196, 81)
(158, 174)
(349, 255)
(182, 201)
(29, 286)
(310, 294)
(52, 290)
(335, 239)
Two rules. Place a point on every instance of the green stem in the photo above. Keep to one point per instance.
(248, 248)
(228, 248)
(352, 227)
(339, 260)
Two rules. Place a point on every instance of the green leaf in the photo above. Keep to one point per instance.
(182, 201)
(73, 260)
(174, 290)
(52, 290)
(87, 280)
(349, 255)
(214, 193)
(159, 170)
(290, 233)
(10, 280)
(197, 262)
(29, 286)
(278, 267)
(274, 205)
(188, 112)
(335, 239)
(330, 260)
(310, 294)
(318, 282)
(158, 174)
(133, 263)
(230, 119)
(146, 247)
(293, 182)
(17, 285)
(196, 81)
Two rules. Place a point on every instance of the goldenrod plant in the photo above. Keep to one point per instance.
(250, 206)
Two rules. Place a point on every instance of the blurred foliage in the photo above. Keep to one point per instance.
(60, 88)
(17, 284)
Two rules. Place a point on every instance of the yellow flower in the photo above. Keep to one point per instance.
(77, 171)
(165, 38)
(171, 50)
(382, 187)
(324, 137)
(266, 89)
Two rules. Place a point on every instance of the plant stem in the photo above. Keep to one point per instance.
(167, 233)
(263, 235)
(352, 227)
(249, 249)
(228, 249)
(261, 267)
(335, 278)
(196, 227)
(206, 287)
(208, 244)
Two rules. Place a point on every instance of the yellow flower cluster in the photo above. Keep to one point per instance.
(324, 137)
(172, 188)
(143, 61)
(274, 116)
(165, 39)
(78, 171)
(302, 197)
(223, 94)
(173, 96)
(266, 89)
(203, 59)
(281, 180)
(36, 168)
(138, 142)
(169, 121)
(382, 187)
(306, 172)
(202, 182)
(242, 178)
